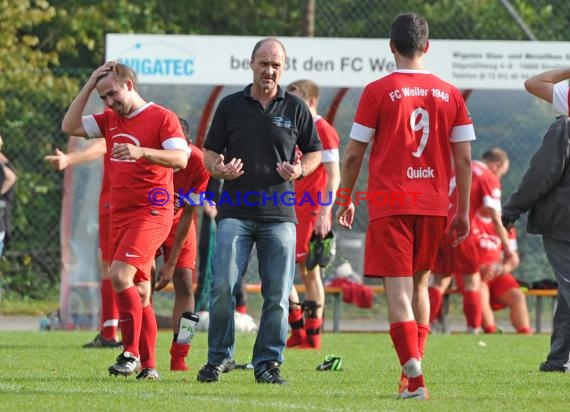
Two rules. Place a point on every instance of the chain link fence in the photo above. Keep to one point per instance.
(511, 120)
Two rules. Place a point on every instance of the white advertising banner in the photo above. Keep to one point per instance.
(331, 62)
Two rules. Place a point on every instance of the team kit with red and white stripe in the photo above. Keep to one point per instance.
(411, 117)
(109, 311)
(491, 252)
(314, 186)
(485, 192)
(193, 177)
(138, 227)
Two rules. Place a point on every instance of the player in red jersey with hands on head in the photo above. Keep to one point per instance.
(552, 86)
(313, 217)
(416, 123)
(144, 144)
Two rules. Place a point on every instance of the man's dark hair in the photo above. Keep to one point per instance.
(409, 34)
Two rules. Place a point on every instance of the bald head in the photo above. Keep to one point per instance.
(267, 41)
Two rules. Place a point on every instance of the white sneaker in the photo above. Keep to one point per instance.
(421, 394)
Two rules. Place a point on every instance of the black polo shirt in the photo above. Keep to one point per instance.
(243, 129)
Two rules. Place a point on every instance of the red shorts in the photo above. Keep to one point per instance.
(462, 259)
(186, 259)
(136, 242)
(402, 245)
(500, 285)
(104, 226)
(304, 232)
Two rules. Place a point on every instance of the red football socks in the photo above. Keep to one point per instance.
(313, 331)
(109, 311)
(149, 331)
(130, 319)
(435, 303)
(297, 323)
(423, 332)
(472, 308)
(405, 339)
(178, 353)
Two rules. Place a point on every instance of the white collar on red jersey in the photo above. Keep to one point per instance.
(412, 71)
(140, 109)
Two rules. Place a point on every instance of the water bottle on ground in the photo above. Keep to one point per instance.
(187, 329)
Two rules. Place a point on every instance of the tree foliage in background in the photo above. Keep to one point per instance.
(48, 49)
(77, 30)
(30, 94)
(448, 19)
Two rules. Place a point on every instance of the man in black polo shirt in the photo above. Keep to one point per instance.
(257, 130)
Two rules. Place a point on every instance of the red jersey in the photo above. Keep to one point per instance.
(411, 117)
(561, 98)
(194, 177)
(485, 190)
(488, 242)
(104, 196)
(314, 185)
(138, 187)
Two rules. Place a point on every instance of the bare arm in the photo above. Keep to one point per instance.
(542, 84)
(72, 124)
(461, 152)
(500, 230)
(351, 164)
(94, 149)
(323, 223)
(9, 179)
(309, 163)
(175, 158)
(166, 272)
(511, 262)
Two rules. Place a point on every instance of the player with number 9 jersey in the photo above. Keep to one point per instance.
(417, 123)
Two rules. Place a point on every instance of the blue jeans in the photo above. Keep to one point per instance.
(275, 243)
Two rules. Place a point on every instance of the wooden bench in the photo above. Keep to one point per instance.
(539, 294)
(335, 293)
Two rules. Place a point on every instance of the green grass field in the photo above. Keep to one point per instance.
(50, 371)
